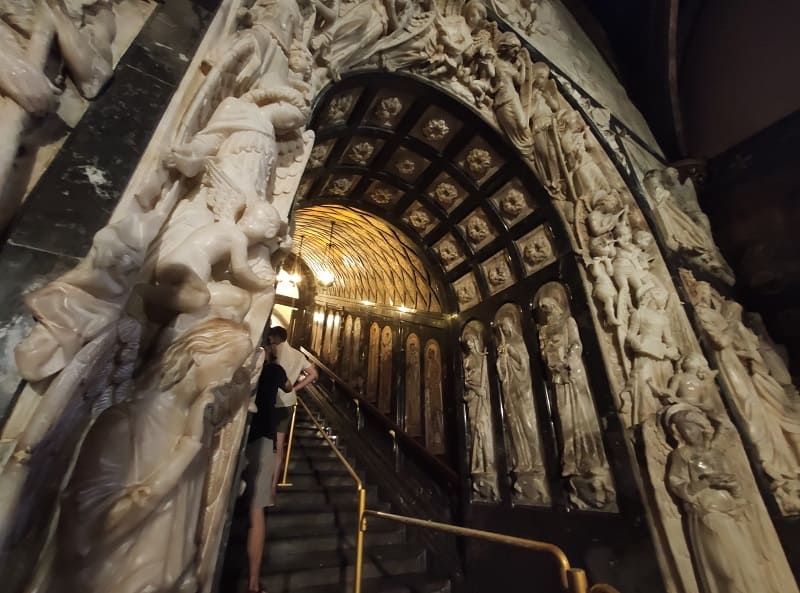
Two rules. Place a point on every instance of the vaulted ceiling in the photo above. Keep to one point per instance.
(433, 210)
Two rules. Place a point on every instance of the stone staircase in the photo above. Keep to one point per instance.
(311, 532)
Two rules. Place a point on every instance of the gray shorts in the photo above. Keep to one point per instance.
(260, 471)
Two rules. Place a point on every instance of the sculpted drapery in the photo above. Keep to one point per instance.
(644, 338)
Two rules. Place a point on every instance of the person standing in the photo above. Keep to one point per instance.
(261, 465)
(295, 364)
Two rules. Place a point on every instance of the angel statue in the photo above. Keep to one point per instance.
(730, 547)
(130, 512)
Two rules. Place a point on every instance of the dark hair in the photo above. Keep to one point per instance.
(278, 332)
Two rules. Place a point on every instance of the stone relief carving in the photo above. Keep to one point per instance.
(482, 462)
(434, 400)
(478, 162)
(405, 167)
(340, 186)
(448, 252)
(339, 109)
(769, 411)
(704, 492)
(466, 290)
(583, 459)
(512, 205)
(536, 249)
(383, 194)
(361, 153)
(373, 362)
(435, 130)
(477, 230)
(446, 195)
(498, 272)
(385, 377)
(684, 226)
(319, 154)
(114, 510)
(413, 384)
(387, 110)
(419, 219)
(523, 443)
(336, 334)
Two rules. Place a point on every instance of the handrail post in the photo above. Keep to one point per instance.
(362, 528)
(283, 481)
(576, 581)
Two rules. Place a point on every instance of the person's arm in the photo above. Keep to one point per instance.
(310, 376)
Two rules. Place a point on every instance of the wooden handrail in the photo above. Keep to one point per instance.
(403, 439)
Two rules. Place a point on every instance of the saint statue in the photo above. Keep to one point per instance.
(130, 513)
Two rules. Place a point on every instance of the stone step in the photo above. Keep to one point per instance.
(307, 466)
(345, 516)
(401, 583)
(318, 479)
(300, 540)
(322, 496)
(317, 452)
(333, 567)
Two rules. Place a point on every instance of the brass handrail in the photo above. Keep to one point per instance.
(362, 497)
(288, 455)
(573, 580)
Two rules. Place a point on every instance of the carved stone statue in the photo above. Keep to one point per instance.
(584, 463)
(413, 414)
(385, 377)
(482, 461)
(373, 362)
(434, 404)
(347, 348)
(683, 231)
(526, 460)
(653, 348)
(356, 372)
(142, 467)
(770, 413)
(729, 547)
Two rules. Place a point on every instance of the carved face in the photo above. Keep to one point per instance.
(671, 176)
(477, 229)
(512, 204)
(472, 342)
(537, 250)
(693, 428)
(474, 14)
(506, 327)
(550, 309)
(317, 158)
(448, 252)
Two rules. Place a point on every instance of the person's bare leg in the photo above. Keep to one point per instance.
(255, 546)
(280, 439)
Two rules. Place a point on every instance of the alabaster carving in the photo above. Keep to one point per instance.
(373, 362)
(482, 461)
(512, 204)
(387, 110)
(347, 348)
(361, 153)
(731, 547)
(524, 445)
(536, 249)
(413, 387)
(339, 109)
(466, 291)
(319, 154)
(419, 219)
(448, 252)
(385, 377)
(478, 162)
(339, 186)
(434, 400)
(583, 459)
(683, 224)
(477, 229)
(435, 130)
(114, 511)
(769, 412)
(383, 195)
(498, 272)
(445, 194)
(355, 371)
(405, 166)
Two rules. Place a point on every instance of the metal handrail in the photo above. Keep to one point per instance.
(573, 580)
(288, 456)
(362, 496)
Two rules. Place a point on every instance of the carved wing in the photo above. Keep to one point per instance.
(670, 532)
(288, 171)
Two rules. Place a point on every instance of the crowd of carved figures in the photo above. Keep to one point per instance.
(190, 256)
(366, 364)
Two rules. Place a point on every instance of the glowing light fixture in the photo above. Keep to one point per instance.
(293, 277)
